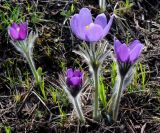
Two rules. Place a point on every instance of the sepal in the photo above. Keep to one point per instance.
(127, 79)
(25, 47)
(95, 54)
(63, 84)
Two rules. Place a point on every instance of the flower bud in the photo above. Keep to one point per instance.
(74, 81)
(127, 55)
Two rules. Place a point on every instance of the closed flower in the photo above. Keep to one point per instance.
(74, 81)
(127, 55)
(18, 32)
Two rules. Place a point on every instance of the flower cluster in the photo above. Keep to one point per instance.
(92, 31)
(83, 26)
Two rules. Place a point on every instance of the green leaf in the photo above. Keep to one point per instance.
(102, 93)
(7, 129)
(72, 8)
(42, 89)
(39, 71)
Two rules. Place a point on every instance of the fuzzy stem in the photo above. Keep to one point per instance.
(95, 74)
(36, 76)
(32, 66)
(102, 4)
(78, 110)
(96, 103)
(117, 100)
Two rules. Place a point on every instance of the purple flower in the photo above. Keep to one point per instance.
(84, 28)
(74, 81)
(18, 32)
(127, 55)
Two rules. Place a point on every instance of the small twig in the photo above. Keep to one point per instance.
(24, 100)
(92, 120)
(43, 104)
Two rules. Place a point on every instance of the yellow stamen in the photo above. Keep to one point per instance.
(87, 27)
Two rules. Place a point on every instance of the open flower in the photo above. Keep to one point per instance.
(74, 81)
(127, 55)
(18, 32)
(84, 28)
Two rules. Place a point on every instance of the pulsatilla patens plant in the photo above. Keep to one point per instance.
(24, 44)
(83, 26)
(126, 57)
(73, 84)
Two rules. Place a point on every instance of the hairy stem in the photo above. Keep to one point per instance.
(96, 103)
(95, 74)
(32, 66)
(36, 76)
(117, 100)
(78, 110)
(102, 4)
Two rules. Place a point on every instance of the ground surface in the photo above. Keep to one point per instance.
(140, 107)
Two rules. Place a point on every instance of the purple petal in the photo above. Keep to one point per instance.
(135, 52)
(94, 33)
(14, 25)
(123, 53)
(76, 27)
(133, 44)
(77, 73)
(101, 20)
(23, 31)
(13, 33)
(75, 81)
(108, 26)
(85, 17)
(70, 73)
(81, 33)
(74, 23)
(117, 45)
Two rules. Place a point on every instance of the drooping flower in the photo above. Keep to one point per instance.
(85, 29)
(18, 32)
(74, 81)
(127, 55)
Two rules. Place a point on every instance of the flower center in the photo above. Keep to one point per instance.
(87, 27)
(18, 29)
